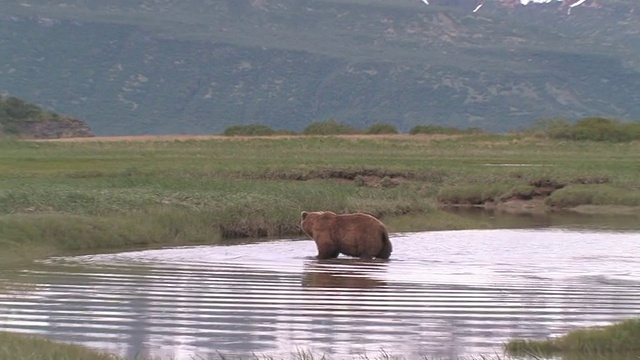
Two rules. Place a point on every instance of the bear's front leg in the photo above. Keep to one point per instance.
(326, 249)
(328, 255)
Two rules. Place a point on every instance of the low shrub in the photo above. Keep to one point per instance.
(600, 129)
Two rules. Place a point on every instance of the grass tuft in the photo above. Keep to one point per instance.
(617, 339)
(576, 195)
(14, 347)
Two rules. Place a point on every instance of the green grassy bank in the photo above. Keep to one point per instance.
(616, 341)
(23, 347)
(64, 197)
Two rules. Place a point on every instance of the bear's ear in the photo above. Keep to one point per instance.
(304, 215)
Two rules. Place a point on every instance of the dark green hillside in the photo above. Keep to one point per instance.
(25, 120)
(151, 66)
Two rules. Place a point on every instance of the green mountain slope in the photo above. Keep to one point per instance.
(199, 66)
(25, 120)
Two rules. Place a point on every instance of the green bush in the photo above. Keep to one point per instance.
(632, 129)
(329, 127)
(589, 129)
(600, 129)
(14, 111)
(249, 130)
(17, 109)
(381, 128)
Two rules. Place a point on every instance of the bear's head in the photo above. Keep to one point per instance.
(313, 219)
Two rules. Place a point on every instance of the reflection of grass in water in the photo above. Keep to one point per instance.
(613, 341)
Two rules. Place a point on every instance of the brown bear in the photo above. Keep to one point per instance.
(359, 235)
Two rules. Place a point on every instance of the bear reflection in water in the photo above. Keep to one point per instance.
(343, 273)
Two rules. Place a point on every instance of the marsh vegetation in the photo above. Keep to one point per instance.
(95, 195)
(15, 346)
(616, 341)
(63, 196)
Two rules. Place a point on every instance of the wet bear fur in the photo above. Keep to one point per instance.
(359, 235)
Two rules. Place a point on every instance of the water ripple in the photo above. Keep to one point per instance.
(443, 294)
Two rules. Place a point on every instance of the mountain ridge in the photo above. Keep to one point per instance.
(159, 67)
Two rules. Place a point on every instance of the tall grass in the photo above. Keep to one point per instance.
(576, 195)
(19, 347)
(611, 342)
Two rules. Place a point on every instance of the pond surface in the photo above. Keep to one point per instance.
(442, 295)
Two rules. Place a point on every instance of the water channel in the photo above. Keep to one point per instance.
(442, 295)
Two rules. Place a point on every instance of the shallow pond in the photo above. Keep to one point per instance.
(442, 295)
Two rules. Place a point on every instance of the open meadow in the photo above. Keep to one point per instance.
(109, 194)
(106, 194)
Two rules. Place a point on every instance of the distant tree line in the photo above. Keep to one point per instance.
(586, 129)
(333, 127)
